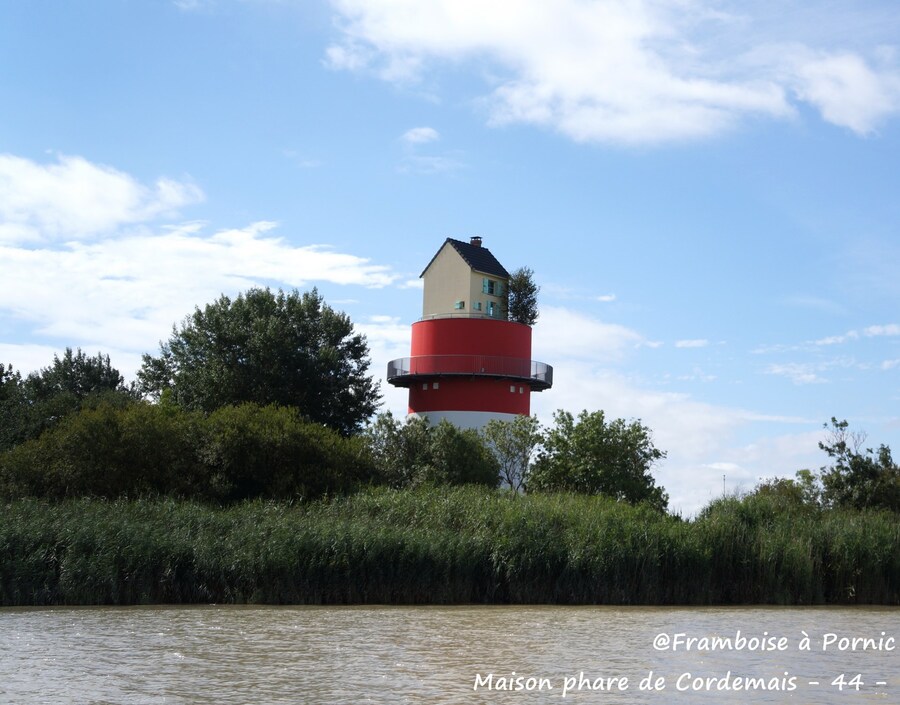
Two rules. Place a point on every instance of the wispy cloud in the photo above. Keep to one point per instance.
(620, 72)
(837, 339)
(421, 135)
(695, 343)
(72, 198)
(798, 372)
(562, 332)
(121, 288)
(425, 164)
(887, 330)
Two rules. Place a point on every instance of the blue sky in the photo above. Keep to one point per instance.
(707, 192)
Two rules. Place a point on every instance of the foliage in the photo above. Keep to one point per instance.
(30, 406)
(284, 349)
(858, 478)
(412, 452)
(593, 456)
(271, 451)
(161, 449)
(522, 294)
(441, 545)
(12, 407)
(804, 490)
(513, 443)
(460, 457)
(400, 449)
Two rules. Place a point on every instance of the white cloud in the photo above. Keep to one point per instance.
(606, 298)
(563, 333)
(130, 289)
(797, 372)
(633, 72)
(695, 343)
(890, 364)
(888, 330)
(77, 199)
(421, 135)
(848, 91)
(699, 437)
(121, 288)
(837, 339)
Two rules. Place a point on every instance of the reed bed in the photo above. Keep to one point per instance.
(443, 546)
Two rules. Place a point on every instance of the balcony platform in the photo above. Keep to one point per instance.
(407, 371)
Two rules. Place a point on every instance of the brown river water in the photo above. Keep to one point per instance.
(324, 655)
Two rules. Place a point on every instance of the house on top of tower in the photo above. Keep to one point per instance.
(464, 278)
(468, 363)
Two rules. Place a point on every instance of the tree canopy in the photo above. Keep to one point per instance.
(413, 452)
(31, 405)
(859, 477)
(266, 348)
(591, 455)
(513, 443)
(522, 297)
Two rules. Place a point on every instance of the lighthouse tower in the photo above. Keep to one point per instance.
(468, 363)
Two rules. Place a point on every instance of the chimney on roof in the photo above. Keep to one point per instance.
(476, 241)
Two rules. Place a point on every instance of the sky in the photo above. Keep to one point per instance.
(707, 191)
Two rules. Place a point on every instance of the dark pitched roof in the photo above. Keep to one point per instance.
(478, 258)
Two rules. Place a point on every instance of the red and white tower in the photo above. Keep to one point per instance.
(468, 363)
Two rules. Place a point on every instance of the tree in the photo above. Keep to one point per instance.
(12, 407)
(513, 443)
(593, 456)
(460, 457)
(75, 375)
(412, 452)
(522, 294)
(401, 450)
(28, 407)
(857, 478)
(285, 349)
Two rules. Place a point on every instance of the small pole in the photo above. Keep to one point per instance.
(723, 485)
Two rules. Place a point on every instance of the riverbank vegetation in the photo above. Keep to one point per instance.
(234, 471)
(444, 545)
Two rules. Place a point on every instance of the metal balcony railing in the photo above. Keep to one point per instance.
(403, 371)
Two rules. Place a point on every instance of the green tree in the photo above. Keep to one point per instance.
(859, 478)
(270, 451)
(521, 304)
(513, 443)
(285, 349)
(401, 450)
(803, 490)
(413, 452)
(460, 457)
(593, 456)
(30, 406)
(12, 407)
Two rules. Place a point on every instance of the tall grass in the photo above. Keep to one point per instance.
(443, 545)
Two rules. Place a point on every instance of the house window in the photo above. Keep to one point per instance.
(477, 305)
(425, 385)
(492, 308)
(512, 388)
(459, 305)
(434, 385)
(492, 287)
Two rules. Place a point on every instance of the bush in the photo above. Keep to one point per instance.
(412, 452)
(271, 451)
(143, 449)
